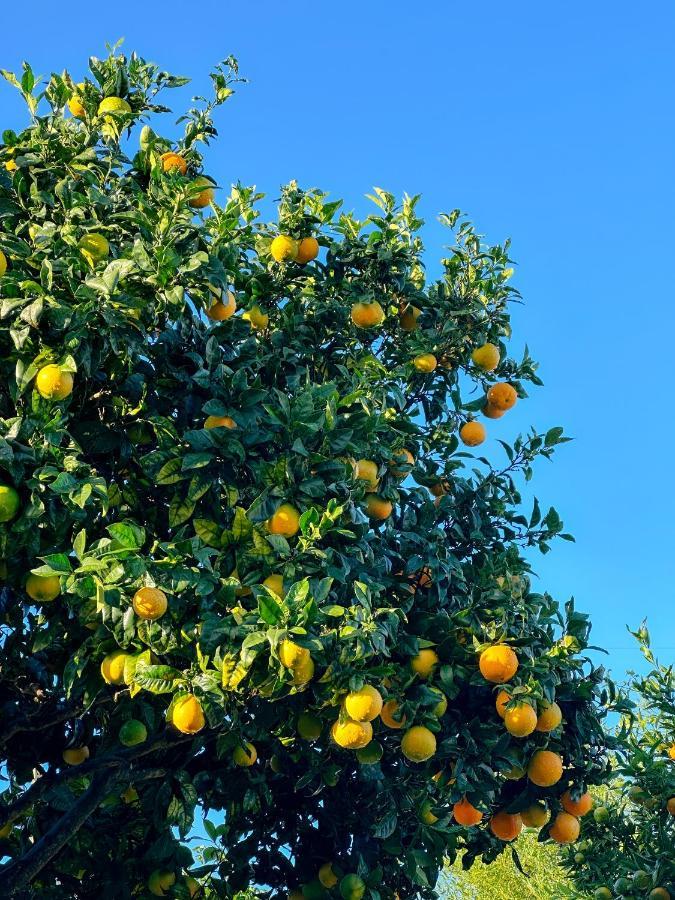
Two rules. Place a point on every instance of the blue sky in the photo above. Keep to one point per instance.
(549, 123)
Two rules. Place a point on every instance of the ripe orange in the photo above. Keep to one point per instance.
(500, 703)
(418, 744)
(578, 807)
(565, 828)
(491, 412)
(424, 663)
(389, 715)
(53, 384)
(285, 521)
(506, 826)
(659, 893)
(378, 508)
(257, 319)
(94, 247)
(276, 584)
(408, 316)
(498, 663)
(502, 396)
(367, 315)
(351, 735)
(425, 363)
(535, 816)
(440, 488)
(466, 814)
(244, 756)
(43, 588)
(550, 716)
(187, 715)
(292, 655)
(364, 705)
(472, 434)
(545, 768)
(75, 756)
(75, 104)
(219, 422)
(670, 806)
(113, 105)
(671, 752)
(284, 248)
(402, 457)
(308, 249)
(366, 470)
(201, 192)
(486, 357)
(173, 162)
(219, 311)
(150, 603)
(112, 667)
(520, 720)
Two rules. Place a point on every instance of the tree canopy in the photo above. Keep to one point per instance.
(251, 560)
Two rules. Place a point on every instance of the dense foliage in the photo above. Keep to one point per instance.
(628, 846)
(233, 495)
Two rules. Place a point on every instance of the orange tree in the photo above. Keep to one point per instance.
(628, 845)
(248, 563)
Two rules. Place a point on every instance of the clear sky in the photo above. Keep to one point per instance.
(549, 123)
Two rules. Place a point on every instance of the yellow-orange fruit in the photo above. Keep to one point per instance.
(75, 756)
(418, 744)
(308, 249)
(565, 828)
(466, 814)
(284, 248)
(550, 716)
(545, 768)
(500, 703)
(408, 318)
(219, 311)
(390, 715)
(425, 363)
(491, 412)
(292, 655)
(112, 667)
(53, 384)
(275, 583)
(520, 720)
(472, 434)
(352, 735)
(498, 663)
(364, 705)
(43, 588)
(201, 198)
(486, 357)
(535, 816)
(506, 826)
(670, 806)
(285, 521)
(424, 663)
(187, 715)
(502, 396)
(367, 315)
(219, 422)
(173, 162)
(378, 508)
(244, 756)
(150, 603)
(402, 457)
(256, 318)
(578, 807)
(366, 470)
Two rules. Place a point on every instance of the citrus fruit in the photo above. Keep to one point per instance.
(520, 720)
(308, 249)
(390, 715)
(112, 667)
(486, 357)
(9, 502)
(43, 588)
(622, 885)
(403, 458)
(309, 726)
(659, 893)
(641, 879)
(603, 893)
(472, 434)
(425, 363)
(3, 263)
(275, 583)
(491, 412)
(219, 422)
(545, 768)
(160, 882)
(187, 715)
(426, 813)
(256, 318)
(578, 807)
(284, 248)
(370, 754)
(506, 826)
(113, 106)
(193, 886)
(367, 315)
(285, 521)
(244, 756)
(352, 735)
(173, 162)
(304, 672)
(352, 887)
(565, 828)
(94, 245)
(498, 663)
(442, 705)
(601, 815)
(502, 396)
(408, 318)
(201, 192)
(364, 705)
(465, 813)
(550, 716)
(292, 655)
(418, 744)
(132, 732)
(366, 470)
(500, 703)
(424, 663)
(75, 756)
(52, 383)
(219, 311)
(378, 508)
(670, 806)
(535, 816)
(327, 876)
(150, 603)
